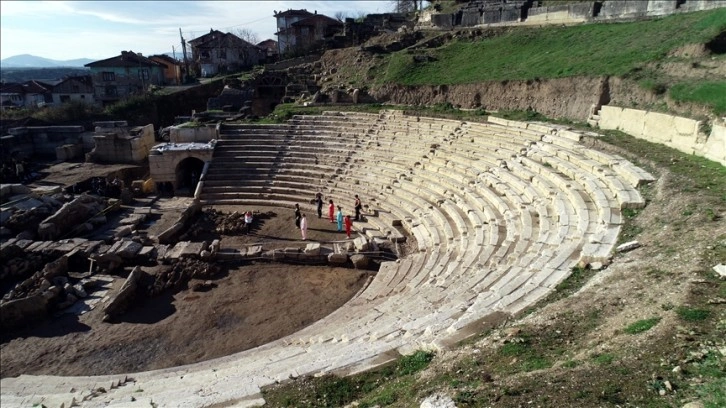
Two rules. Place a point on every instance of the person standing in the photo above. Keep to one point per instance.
(304, 227)
(358, 207)
(348, 225)
(319, 202)
(339, 218)
(297, 216)
(331, 211)
(248, 222)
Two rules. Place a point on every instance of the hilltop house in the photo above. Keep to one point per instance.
(269, 47)
(73, 88)
(30, 94)
(218, 52)
(124, 75)
(173, 70)
(298, 30)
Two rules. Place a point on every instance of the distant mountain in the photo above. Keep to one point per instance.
(32, 61)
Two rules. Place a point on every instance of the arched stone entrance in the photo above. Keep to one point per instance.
(179, 165)
(187, 173)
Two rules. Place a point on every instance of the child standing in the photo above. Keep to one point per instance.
(304, 227)
(331, 211)
(348, 225)
(340, 219)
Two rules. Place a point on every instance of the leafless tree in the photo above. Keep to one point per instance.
(407, 6)
(247, 35)
(341, 15)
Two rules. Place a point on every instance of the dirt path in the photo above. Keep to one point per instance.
(251, 305)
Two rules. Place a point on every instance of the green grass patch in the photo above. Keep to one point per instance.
(570, 364)
(713, 394)
(528, 357)
(382, 386)
(711, 94)
(603, 359)
(414, 363)
(692, 315)
(642, 325)
(556, 52)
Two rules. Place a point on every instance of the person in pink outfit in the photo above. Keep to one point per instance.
(304, 227)
(331, 211)
(348, 225)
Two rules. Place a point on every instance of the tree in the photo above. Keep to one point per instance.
(247, 35)
(341, 15)
(407, 6)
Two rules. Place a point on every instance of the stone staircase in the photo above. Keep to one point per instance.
(500, 212)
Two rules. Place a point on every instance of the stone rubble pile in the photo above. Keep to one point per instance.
(180, 273)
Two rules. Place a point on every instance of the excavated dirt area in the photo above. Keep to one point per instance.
(250, 305)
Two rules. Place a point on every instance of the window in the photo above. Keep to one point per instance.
(111, 90)
(108, 76)
(144, 74)
(204, 54)
(65, 98)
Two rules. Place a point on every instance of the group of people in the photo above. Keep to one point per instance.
(346, 222)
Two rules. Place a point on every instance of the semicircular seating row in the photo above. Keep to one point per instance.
(500, 212)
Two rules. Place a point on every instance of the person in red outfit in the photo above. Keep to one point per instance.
(348, 225)
(331, 211)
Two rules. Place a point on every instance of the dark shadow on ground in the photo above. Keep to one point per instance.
(50, 327)
(150, 310)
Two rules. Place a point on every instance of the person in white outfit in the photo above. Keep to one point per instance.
(304, 227)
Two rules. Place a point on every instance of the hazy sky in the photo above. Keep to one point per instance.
(65, 30)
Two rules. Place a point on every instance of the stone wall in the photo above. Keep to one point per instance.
(679, 133)
(116, 143)
(41, 140)
(180, 134)
(493, 12)
(561, 14)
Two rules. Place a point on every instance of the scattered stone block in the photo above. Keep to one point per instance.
(360, 261)
(214, 247)
(254, 251)
(79, 291)
(22, 311)
(720, 270)
(118, 304)
(126, 249)
(361, 244)
(205, 255)
(337, 259)
(628, 246)
(312, 249)
(123, 231)
(146, 251)
(438, 401)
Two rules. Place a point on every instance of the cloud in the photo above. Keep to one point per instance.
(101, 29)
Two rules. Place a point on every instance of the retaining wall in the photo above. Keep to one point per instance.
(679, 133)
(202, 134)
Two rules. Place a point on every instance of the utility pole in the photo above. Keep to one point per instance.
(184, 51)
(176, 66)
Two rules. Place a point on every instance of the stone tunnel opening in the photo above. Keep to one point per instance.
(188, 172)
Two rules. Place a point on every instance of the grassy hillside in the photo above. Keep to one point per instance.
(555, 52)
